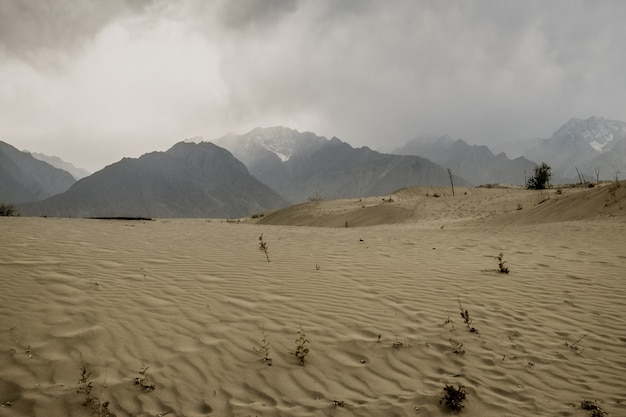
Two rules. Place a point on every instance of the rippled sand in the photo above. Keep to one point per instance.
(192, 299)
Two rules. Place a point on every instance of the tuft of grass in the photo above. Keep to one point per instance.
(397, 344)
(466, 317)
(85, 386)
(264, 350)
(263, 246)
(301, 346)
(454, 397)
(143, 381)
(593, 406)
(457, 347)
(501, 267)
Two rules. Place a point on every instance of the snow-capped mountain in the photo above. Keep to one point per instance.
(300, 166)
(586, 146)
(280, 141)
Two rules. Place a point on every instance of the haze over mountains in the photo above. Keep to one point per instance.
(589, 144)
(301, 166)
(477, 164)
(55, 161)
(24, 178)
(268, 168)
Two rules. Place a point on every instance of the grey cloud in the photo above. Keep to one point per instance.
(29, 29)
(244, 14)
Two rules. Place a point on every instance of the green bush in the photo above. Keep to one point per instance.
(541, 179)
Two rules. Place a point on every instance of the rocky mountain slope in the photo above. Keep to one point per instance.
(188, 180)
(303, 166)
(477, 164)
(24, 178)
(55, 161)
(589, 145)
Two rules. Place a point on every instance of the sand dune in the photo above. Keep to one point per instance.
(192, 299)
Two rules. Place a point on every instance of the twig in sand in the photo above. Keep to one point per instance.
(465, 316)
(263, 247)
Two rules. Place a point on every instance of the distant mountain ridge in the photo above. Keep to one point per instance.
(591, 144)
(475, 163)
(55, 161)
(301, 166)
(188, 180)
(24, 178)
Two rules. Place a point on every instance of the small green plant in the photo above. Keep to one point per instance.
(466, 317)
(454, 397)
(143, 380)
(263, 247)
(593, 406)
(264, 350)
(85, 386)
(501, 267)
(301, 346)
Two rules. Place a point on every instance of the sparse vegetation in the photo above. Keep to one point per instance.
(466, 317)
(8, 210)
(263, 247)
(264, 350)
(301, 346)
(457, 347)
(501, 267)
(450, 322)
(85, 386)
(143, 380)
(596, 410)
(541, 178)
(397, 344)
(454, 397)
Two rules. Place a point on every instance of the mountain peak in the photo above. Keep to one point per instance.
(598, 132)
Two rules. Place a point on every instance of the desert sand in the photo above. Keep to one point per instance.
(191, 300)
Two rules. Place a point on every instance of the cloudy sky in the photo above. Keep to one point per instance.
(94, 81)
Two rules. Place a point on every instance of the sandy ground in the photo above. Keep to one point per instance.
(192, 300)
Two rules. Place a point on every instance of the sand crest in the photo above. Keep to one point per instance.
(191, 300)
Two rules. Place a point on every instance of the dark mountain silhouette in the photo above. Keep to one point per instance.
(302, 166)
(477, 164)
(188, 180)
(24, 178)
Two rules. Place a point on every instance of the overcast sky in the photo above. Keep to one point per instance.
(94, 81)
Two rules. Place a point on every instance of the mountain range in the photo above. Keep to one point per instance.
(24, 178)
(580, 145)
(268, 168)
(302, 166)
(188, 180)
(477, 164)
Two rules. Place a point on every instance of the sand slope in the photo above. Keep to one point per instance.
(437, 206)
(191, 299)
